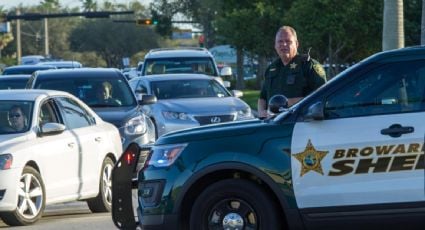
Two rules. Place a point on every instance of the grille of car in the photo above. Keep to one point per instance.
(205, 120)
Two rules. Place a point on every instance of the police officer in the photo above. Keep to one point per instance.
(292, 75)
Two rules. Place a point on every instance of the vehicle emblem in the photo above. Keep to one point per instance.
(310, 159)
(215, 120)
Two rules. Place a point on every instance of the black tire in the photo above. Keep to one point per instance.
(236, 204)
(103, 201)
(31, 200)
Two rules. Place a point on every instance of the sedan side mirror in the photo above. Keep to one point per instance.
(51, 128)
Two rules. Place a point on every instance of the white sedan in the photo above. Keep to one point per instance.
(53, 148)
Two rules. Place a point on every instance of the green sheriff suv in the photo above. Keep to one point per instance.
(348, 156)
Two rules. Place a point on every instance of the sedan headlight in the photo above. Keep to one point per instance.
(244, 114)
(136, 125)
(165, 155)
(6, 161)
(175, 115)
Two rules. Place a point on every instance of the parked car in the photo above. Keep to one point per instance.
(130, 72)
(53, 149)
(25, 69)
(62, 64)
(139, 68)
(32, 59)
(14, 81)
(88, 84)
(189, 100)
(183, 60)
(348, 156)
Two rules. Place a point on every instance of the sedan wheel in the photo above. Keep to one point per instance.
(103, 201)
(31, 199)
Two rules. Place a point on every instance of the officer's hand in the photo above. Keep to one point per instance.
(262, 114)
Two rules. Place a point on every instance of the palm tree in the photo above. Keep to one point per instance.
(89, 5)
(393, 28)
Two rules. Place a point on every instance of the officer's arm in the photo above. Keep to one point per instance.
(262, 108)
(316, 75)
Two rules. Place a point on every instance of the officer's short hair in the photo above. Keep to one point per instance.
(289, 28)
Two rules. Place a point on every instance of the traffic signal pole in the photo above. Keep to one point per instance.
(18, 38)
(36, 16)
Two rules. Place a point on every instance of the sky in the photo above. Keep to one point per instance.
(7, 4)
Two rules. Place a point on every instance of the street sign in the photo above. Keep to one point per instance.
(126, 61)
(4, 27)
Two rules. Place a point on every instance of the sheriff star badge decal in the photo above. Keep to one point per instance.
(310, 159)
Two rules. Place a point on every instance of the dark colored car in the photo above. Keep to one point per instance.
(62, 64)
(348, 156)
(25, 69)
(124, 111)
(14, 81)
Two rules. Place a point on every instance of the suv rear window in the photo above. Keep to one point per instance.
(200, 65)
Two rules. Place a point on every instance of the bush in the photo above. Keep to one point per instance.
(251, 98)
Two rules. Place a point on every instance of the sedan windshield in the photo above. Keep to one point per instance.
(95, 92)
(188, 89)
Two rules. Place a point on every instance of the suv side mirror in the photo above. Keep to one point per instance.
(146, 99)
(226, 71)
(315, 112)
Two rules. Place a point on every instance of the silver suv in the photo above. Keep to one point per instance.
(182, 60)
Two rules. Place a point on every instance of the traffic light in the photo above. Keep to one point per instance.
(147, 22)
(201, 40)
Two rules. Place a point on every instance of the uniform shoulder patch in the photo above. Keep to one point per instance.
(319, 69)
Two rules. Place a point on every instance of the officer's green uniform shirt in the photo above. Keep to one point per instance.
(298, 78)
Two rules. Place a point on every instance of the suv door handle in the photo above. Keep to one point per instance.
(396, 130)
(98, 139)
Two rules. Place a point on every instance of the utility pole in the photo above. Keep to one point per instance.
(18, 38)
(36, 16)
(46, 38)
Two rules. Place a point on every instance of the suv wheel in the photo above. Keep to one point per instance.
(224, 205)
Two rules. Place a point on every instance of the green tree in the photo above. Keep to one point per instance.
(89, 5)
(5, 38)
(112, 41)
(250, 26)
(423, 23)
(163, 11)
(337, 31)
(412, 22)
